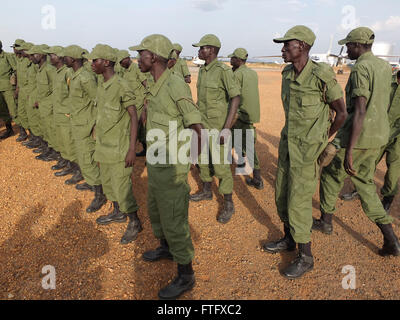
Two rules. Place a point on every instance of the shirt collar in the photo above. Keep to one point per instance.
(365, 56)
(304, 74)
(157, 85)
(211, 64)
(107, 84)
(61, 69)
(43, 66)
(77, 72)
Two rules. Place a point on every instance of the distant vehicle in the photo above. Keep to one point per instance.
(197, 61)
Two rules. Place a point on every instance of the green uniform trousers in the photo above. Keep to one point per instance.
(332, 180)
(117, 185)
(243, 126)
(294, 189)
(4, 114)
(168, 207)
(392, 150)
(22, 114)
(64, 137)
(222, 168)
(84, 147)
(8, 105)
(33, 116)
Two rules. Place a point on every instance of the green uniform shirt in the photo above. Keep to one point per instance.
(216, 85)
(44, 85)
(305, 101)
(249, 108)
(394, 110)
(61, 90)
(181, 68)
(82, 97)
(22, 72)
(170, 100)
(134, 77)
(31, 75)
(113, 124)
(371, 78)
(7, 67)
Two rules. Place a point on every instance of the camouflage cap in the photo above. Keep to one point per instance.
(102, 51)
(156, 43)
(301, 33)
(74, 51)
(240, 53)
(26, 46)
(38, 49)
(122, 54)
(208, 40)
(359, 35)
(177, 47)
(18, 43)
(57, 50)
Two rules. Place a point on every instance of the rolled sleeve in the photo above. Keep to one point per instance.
(334, 91)
(190, 113)
(360, 84)
(230, 83)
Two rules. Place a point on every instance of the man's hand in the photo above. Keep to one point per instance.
(36, 105)
(130, 158)
(224, 136)
(348, 163)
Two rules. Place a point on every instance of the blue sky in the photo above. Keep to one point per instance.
(238, 23)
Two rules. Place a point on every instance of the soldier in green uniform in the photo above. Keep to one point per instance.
(116, 131)
(362, 137)
(218, 96)
(169, 102)
(180, 66)
(44, 89)
(32, 112)
(249, 111)
(83, 113)
(8, 108)
(309, 91)
(21, 68)
(62, 125)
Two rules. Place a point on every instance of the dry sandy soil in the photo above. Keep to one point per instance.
(43, 222)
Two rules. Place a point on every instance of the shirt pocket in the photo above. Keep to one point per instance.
(212, 92)
(310, 107)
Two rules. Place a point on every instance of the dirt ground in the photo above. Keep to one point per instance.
(44, 222)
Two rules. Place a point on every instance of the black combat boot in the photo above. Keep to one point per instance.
(22, 134)
(143, 152)
(133, 228)
(302, 264)
(391, 245)
(43, 156)
(53, 155)
(387, 202)
(69, 169)
(9, 131)
(98, 201)
(33, 143)
(43, 148)
(286, 243)
(182, 283)
(350, 196)
(84, 186)
(114, 216)
(256, 182)
(324, 224)
(62, 163)
(76, 177)
(162, 252)
(205, 194)
(228, 210)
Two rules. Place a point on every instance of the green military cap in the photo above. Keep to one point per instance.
(74, 51)
(18, 43)
(301, 33)
(208, 40)
(174, 55)
(57, 50)
(26, 46)
(240, 53)
(122, 54)
(102, 51)
(177, 47)
(360, 35)
(156, 43)
(38, 49)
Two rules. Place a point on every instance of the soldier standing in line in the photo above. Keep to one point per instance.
(309, 91)
(362, 138)
(180, 66)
